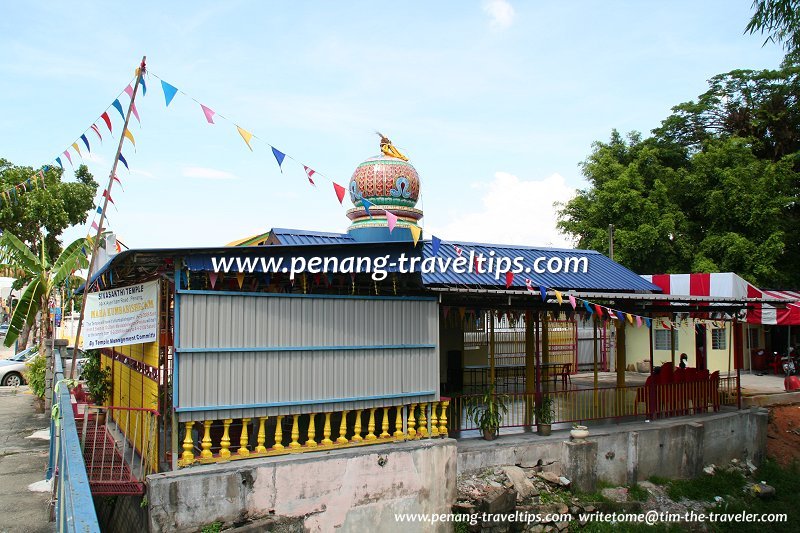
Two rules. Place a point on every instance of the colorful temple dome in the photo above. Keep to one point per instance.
(388, 182)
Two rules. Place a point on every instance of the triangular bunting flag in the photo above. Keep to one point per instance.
(543, 290)
(621, 316)
(106, 195)
(367, 204)
(169, 91)
(246, 135)
(58, 160)
(416, 231)
(309, 172)
(129, 91)
(240, 278)
(107, 120)
(115, 178)
(278, 157)
(121, 158)
(128, 135)
(135, 112)
(572, 301)
(648, 322)
(86, 142)
(94, 225)
(75, 146)
(436, 242)
(212, 277)
(558, 297)
(339, 191)
(509, 279)
(665, 325)
(97, 131)
(118, 107)
(599, 309)
(208, 113)
(529, 286)
(638, 321)
(144, 87)
(69, 157)
(391, 220)
(458, 250)
(629, 317)
(586, 305)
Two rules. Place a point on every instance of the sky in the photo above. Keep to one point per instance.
(496, 103)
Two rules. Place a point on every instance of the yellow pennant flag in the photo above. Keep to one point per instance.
(240, 278)
(558, 297)
(75, 145)
(128, 135)
(246, 135)
(415, 233)
(629, 317)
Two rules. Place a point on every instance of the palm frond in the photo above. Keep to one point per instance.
(16, 254)
(26, 309)
(71, 259)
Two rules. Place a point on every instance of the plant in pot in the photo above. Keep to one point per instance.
(487, 412)
(544, 415)
(579, 432)
(97, 378)
(35, 376)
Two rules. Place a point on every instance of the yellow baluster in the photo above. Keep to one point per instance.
(412, 433)
(385, 424)
(278, 434)
(326, 431)
(243, 440)
(398, 422)
(371, 426)
(206, 442)
(225, 442)
(423, 420)
(357, 429)
(312, 432)
(443, 419)
(261, 437)
(295, 433)
(434, 420)
(343, 429)
(187, 457)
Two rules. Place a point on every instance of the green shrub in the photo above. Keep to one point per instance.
(98, 379)
(35, 375)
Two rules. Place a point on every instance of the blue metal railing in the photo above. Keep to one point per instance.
(74, 505)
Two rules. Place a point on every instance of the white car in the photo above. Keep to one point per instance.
(11, 369)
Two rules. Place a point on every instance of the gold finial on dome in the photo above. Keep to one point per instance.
(388, 148)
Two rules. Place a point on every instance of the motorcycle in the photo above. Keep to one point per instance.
(791, 363)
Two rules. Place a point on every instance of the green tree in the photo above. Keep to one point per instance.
(780, 20)
(43, 278)
(51, 209)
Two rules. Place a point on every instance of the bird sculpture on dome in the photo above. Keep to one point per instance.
(388, 148)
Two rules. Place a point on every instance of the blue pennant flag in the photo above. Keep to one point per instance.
(278, 157)
(169, 91)
(99, 210)
(647, 321)
(621, 316)
(86, 142)
(436, 242)
(543, 290)
(58, 160)
(118, 107)
(46, 168)
(367, 204)
(588, 308)
(121, 158)
(144, 87)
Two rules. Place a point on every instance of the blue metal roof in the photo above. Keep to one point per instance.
(303, 237)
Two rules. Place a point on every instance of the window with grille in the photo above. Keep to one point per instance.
(718, 339)
(663, 339)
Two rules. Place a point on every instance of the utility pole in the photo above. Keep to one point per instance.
(611, 241)
(106, 196)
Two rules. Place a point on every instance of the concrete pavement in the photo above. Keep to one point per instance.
(22, 461)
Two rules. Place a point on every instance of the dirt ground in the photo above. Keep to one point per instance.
(783, 433)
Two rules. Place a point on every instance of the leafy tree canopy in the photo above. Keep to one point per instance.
(780, 21)
(53, 209)
(715, 188)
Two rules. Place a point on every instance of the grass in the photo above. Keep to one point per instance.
(638, 493)
(214, 527)
(706, 487)
(658, 480)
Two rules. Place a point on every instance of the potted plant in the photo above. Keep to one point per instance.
(487, 412)
(98, 379)
(35, 376)
(579, 432)
(544, 414)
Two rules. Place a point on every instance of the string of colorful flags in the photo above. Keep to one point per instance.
(579, 305)
(11, 195)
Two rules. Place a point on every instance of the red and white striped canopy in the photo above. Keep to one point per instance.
(729, 285)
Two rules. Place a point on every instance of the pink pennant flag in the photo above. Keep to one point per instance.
(391, 219)
(94, 225)
(69, 157)
(310, 172)
(135, 113)
(97, 131)
(129, 91)
(208, 113)
(339, 191)
(638, 321)
(572, 301)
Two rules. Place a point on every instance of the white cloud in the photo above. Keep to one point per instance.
(514, 212)
(208, 173)
(501, 13)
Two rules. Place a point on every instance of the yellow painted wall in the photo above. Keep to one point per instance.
(132, 389)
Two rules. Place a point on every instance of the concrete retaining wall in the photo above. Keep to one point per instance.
(626, 453)
(354, 489)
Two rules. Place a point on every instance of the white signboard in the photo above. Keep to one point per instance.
(122, 316)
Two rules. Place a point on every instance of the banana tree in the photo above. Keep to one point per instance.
(42, 276)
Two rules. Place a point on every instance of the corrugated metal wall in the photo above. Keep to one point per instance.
(284, 354)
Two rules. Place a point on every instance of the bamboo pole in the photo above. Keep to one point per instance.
(96, 240)
(491, 349)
